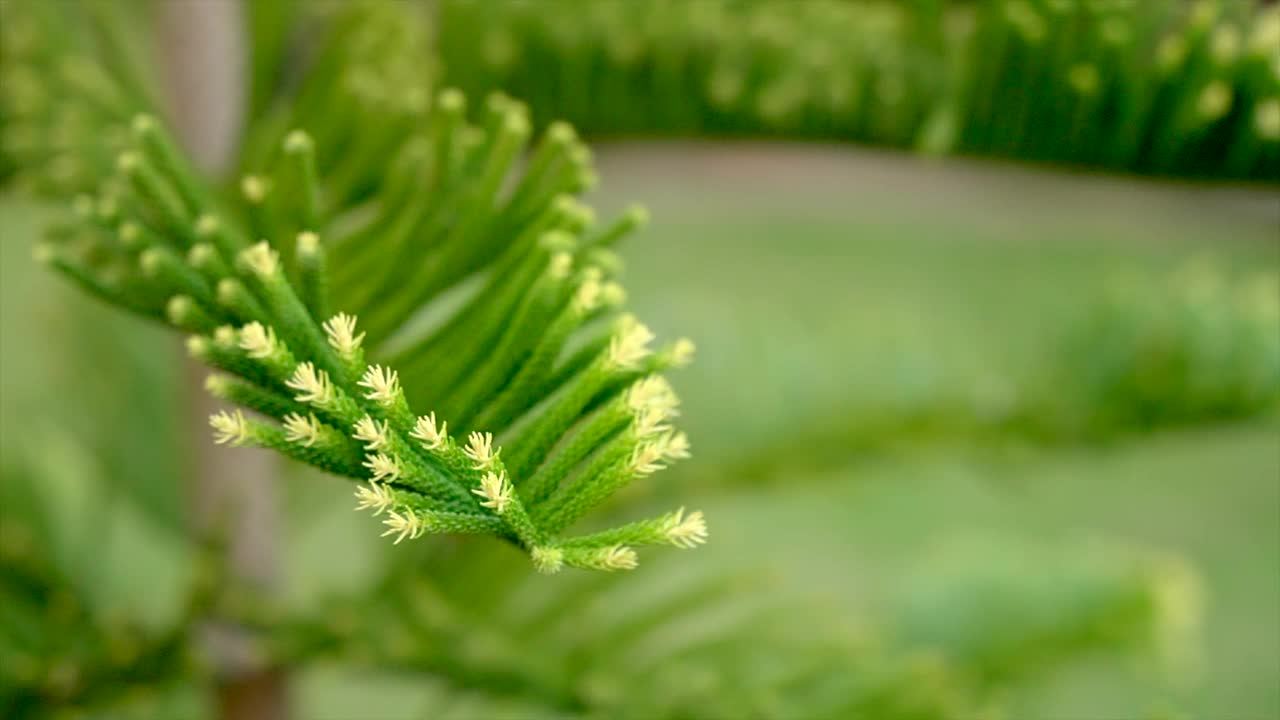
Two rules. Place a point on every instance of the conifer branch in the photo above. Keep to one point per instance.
(378, 214)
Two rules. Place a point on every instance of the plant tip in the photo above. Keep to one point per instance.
(496, 491)
(201, 254)
(304, 430)
(561, 133)
(373, 496)
(404, 525)
(372, 433)
(480, 450)
(1266, 119)
(179, 309)
(298, 141)
(258, 341)
(225, 335)
(215, 384)
(612, 294)
(383, 467)
(451, 100)
(206, 225)
(686, 532)
(629, 347)
(587, 298)
(382, 383)
(341, 332)
(561, 264)
(261, 259)
(682, 352)
(253, 188)
(308, 242)
(229, 428)
(143, 124)
(198, 347)
(618, 557)
(151, 260)
(547, 560)
(433, 437)
(127, 162)
(313, 387)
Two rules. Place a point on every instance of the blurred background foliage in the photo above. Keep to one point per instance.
(975, 440)
(1161, 87)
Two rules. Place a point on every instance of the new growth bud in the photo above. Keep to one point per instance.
(302, 430)
(298, 141)
(206, 226)
(685, 532)
(432, 437)
(372, 496)
(341, 331)
(383, 385)
(618, 557)
(261, 260)
(372, 433)
(480, 450)
(403, 525)
(547, 560)
(313, 386)
(496, 491)
(630, 345)
(229, 428)
(254, 188)
(383, 467)
(259, 342)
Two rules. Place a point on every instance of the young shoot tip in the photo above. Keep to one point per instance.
(229, 428)
(547, 560)
(298, 142)
(686, 531)
(142, 124)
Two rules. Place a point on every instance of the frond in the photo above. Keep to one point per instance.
(722, 641)
(994, 608)
(1200, 94)
(978, 619)
(386, 215)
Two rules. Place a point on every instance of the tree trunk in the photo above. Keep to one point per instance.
(203, 72)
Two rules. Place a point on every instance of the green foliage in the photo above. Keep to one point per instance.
(59, 651)
(582, 649)
(1199, 345)
(579, 419)
(68, 76)
(729, 643)
(814, 69)
(491, 291)
(1152, 87)
(1010, 621)
(68, 639)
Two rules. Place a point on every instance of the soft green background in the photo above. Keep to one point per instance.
(826, 289)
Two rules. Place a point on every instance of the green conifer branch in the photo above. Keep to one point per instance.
(334, 224)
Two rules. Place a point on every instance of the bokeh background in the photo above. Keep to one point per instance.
(992, 402)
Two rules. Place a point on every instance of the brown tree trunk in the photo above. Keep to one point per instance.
(203, 60)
